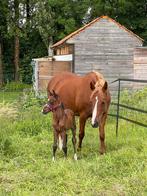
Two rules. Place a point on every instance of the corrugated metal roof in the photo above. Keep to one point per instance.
(62, 41)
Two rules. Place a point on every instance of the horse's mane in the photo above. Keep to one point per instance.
(100, 79)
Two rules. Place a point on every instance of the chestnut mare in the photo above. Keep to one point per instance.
(63, 120)
(87, 96)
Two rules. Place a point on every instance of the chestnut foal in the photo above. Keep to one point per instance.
(63, 120)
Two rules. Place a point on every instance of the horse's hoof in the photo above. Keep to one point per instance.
(102, 152)
(75, 157)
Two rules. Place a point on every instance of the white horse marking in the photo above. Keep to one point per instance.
(94, 113)
(53, 159)
(60, 142)
(75, 157)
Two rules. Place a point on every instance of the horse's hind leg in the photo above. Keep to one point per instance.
(74, 143)
(55, 144)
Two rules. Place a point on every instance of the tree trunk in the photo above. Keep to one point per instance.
(50, 51)
(16, 46)
(16, 58)
(1, 66)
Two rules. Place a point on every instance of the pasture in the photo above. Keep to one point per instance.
(26, 166)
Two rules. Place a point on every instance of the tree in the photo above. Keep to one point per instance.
(3, 30)
(1, 64)
(16, 45)
(55, 19)
(44, 19)
(14, 30)
(130, 13)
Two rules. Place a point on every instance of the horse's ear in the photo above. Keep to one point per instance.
(105, 87)
(92, 85)
(49, 93)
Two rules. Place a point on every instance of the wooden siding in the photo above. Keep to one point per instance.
(64, 40)
(140, 64)
(47, 69)
(105, 47)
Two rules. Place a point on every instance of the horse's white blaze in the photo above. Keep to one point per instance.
(94, 113)
(60, 142)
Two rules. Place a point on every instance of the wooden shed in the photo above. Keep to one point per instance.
(45, 68)
(103, 45)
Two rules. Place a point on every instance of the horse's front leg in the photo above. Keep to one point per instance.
(74, 142)
(55, 143)
(64, 138)
(102, 136)
(82, 130)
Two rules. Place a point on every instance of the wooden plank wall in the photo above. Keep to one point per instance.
(140, 64)
(47, 69)
(107, 48)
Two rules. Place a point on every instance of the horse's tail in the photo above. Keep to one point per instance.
(60, 143)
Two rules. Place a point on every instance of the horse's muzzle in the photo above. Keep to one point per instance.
(95, 125)
(46, 109)
(44, 112)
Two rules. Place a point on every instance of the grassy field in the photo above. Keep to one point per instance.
(26, 166)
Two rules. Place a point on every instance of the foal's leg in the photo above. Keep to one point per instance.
(82, 130)
(55, 144)
(64, 137)
(74, 142)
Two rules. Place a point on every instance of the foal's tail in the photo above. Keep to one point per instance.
(60, 142)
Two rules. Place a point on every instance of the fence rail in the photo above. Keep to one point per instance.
(117, 115)
(130, 80)
(131, 108)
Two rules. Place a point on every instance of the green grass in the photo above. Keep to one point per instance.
(8, 97)
(26, 166)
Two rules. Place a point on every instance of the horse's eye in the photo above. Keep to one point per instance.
(103, 103)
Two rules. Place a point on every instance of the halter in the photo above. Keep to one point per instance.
(53, 108)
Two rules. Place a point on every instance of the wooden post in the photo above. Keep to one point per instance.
(118, 100)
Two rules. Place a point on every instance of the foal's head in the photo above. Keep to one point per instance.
(100, 102)
(52, 104)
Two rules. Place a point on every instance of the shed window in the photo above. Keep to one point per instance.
(67, 49)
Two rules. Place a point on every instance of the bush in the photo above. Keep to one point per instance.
(16, 86)
(29, 99)
(137, 97)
